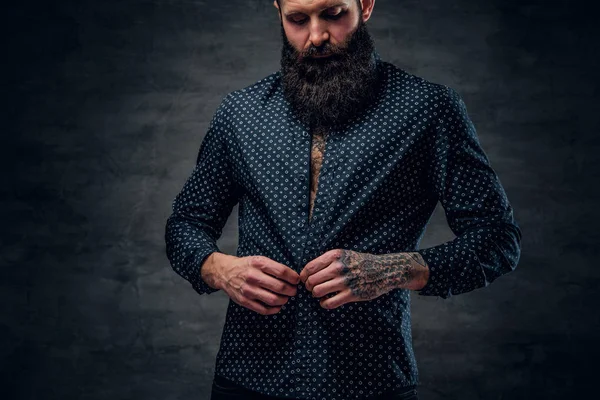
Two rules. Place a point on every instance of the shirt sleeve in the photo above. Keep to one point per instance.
(488, 239)
(202, 207)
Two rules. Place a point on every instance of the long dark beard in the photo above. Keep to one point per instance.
(329, 91)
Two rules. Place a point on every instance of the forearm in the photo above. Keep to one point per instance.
(472, 260)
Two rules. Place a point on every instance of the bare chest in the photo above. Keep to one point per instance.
(316, 162)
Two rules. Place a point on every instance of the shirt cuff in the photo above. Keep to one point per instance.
(197, 282)
(438, 282)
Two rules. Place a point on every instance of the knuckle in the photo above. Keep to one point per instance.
(270, 300)
(275, 300)
(255, 260)
(245, 290)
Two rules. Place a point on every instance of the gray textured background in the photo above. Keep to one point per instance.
(106, 104)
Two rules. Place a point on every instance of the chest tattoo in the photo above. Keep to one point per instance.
(316, 161)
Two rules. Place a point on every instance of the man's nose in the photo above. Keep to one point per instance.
(318, 33)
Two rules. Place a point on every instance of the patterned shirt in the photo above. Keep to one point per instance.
(382, 175)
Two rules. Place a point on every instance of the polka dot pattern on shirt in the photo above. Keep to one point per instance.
(383, 173)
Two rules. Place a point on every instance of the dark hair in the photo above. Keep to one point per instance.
(279, 4)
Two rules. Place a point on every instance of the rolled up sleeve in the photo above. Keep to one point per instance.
(202, 207)
(488, 239)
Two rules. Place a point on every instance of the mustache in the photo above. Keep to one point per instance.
(326, 49)
(336, 51)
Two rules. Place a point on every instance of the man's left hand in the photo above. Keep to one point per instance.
(356, 276)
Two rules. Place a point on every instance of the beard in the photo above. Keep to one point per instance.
(327, 92)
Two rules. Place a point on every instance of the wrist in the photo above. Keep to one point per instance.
(211, 270)
(420, 272)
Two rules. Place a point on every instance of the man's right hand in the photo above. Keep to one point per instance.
(256, 282)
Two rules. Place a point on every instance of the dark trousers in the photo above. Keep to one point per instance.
(224, 389)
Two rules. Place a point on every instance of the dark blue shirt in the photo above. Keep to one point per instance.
(382, 175)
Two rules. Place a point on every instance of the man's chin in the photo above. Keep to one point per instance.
(326, 91)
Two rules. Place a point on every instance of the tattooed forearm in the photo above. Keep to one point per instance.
(369, 275)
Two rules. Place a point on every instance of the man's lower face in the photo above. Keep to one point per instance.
(328, 90)
(337, 56)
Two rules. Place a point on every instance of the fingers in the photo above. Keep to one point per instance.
(275, 285)
(320, 263)
(278, 270)
(262, 300)
(269, 284)
(328, 273)
(266, 296)
(336, 300)
(330, 286)
(259, 300)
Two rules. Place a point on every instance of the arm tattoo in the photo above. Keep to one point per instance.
(369, 276)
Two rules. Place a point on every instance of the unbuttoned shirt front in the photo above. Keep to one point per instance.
(382, 175)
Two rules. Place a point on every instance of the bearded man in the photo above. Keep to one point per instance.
(337, 162)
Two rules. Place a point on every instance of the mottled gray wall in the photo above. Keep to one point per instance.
(106, 104)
